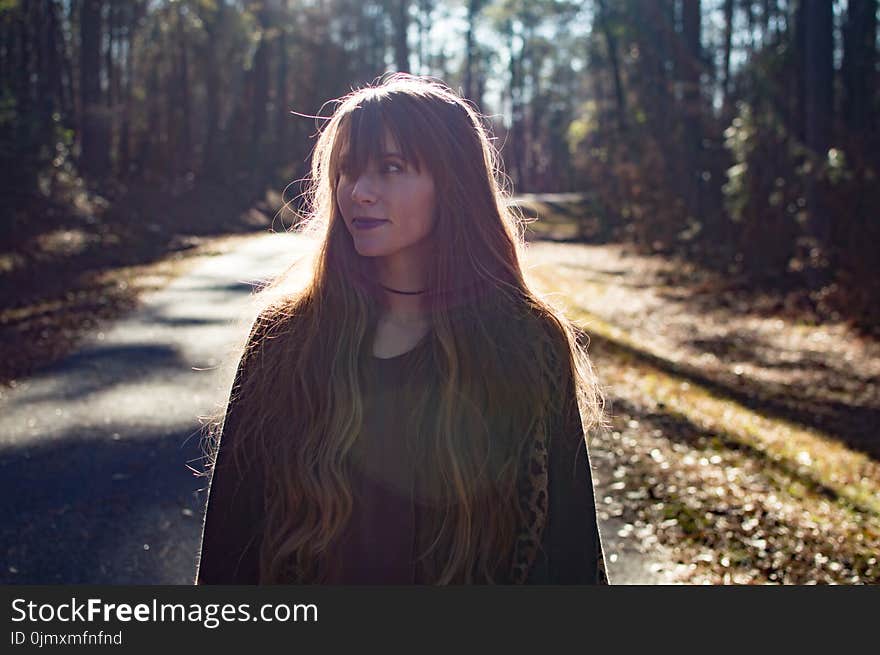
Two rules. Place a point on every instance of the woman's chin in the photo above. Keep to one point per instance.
(369, 250)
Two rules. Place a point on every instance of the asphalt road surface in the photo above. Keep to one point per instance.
(95, 452)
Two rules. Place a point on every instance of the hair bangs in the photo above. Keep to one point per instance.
(364, 133)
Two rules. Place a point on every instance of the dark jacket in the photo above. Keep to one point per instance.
(560, 544)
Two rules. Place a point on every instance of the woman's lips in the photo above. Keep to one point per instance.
(367, 223)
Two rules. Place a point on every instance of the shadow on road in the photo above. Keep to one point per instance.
(102, 509)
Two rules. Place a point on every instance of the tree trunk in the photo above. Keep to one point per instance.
(112, 10)
(213, 26)
(259, 108)
(515, 93)
(93, 154)
(39, 22)
(184, 148)
(111, 92)
(282, 115)
(68, 81)
(655, 35)
(133, 16)
(750, 23)
(469, 58)
(765, 22)
(260, 97)
(859, 61)
(53, 87)
(693, 128)
(728, 46)
(24, 94)
(802, 70)
(691, 66)
(819, 76)
(401, 29)
(819, 94)
(611, 44)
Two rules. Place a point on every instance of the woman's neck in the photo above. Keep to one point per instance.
(402, 274)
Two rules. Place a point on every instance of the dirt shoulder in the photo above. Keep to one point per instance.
(71, 264)
(743, 440)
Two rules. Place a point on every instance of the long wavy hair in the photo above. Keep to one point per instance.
(500, 362)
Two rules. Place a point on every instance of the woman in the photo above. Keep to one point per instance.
(414, 414)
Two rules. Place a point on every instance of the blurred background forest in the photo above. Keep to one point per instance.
(741, 134)
(705, 172)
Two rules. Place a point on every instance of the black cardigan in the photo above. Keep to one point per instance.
(378, 544)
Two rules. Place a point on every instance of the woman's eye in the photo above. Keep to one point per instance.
(392, 167)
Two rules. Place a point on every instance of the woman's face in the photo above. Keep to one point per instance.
(389, 206)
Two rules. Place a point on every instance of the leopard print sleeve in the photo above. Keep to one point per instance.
(561, 508)
(533, 498)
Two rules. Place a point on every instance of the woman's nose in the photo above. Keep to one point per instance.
(363, 191)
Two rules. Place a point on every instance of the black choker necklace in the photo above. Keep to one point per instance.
(407, 293)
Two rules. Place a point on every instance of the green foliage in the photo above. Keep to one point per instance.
(581, 127)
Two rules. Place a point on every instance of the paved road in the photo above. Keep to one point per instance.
(94, 452)
(95, 484)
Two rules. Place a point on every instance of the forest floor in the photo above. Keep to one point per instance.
(743, 439)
